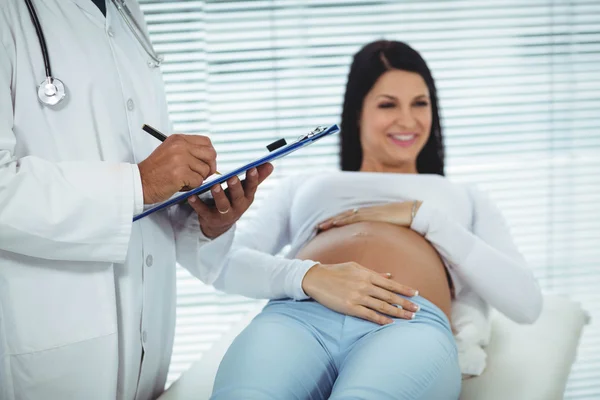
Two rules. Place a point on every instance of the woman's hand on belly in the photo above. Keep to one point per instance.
(352, 289)
(400, 214)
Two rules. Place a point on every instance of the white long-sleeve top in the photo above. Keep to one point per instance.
(463, 225)
(84, 292)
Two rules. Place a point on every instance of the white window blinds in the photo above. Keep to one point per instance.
(519, 86)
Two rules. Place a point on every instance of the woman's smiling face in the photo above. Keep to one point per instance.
(395, 122)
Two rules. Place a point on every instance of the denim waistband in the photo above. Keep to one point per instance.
(428, 312)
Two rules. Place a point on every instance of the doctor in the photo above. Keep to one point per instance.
(87, 298)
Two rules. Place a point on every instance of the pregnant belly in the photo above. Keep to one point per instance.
(384, 247)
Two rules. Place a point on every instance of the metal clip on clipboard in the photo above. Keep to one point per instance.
(314, 132)
(282, 142)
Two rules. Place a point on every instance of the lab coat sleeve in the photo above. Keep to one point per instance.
(252, 268)
(203, 257)
(138, 192)
(73, 211)
(486, 258)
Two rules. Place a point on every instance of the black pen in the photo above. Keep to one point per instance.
(154, 133)
(160, 136)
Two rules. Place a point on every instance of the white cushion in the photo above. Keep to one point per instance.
(530, 362)
(524, 361)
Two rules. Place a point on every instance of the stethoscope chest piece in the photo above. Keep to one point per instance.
(51, 91)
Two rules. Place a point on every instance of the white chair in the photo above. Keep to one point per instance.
(528, 362)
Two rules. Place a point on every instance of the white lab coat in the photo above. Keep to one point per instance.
(87, 299)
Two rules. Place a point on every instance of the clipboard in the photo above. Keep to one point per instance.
(305, 140)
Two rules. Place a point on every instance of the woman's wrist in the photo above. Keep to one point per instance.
(306, 287)
(416, 204)
(408, 213)
(424, 214)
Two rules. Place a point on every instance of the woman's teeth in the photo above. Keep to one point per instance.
(404, 137)
(404, 140)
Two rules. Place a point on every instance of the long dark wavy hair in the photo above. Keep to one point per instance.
(372, 61)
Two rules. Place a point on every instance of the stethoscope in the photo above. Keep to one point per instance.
(52, 91)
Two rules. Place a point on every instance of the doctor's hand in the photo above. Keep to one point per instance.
(181, 162)
(351, 289)
(214, 221)
(400, 214)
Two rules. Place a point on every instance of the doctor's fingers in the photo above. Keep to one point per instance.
(236, 193)
(264, 171)
(196, 140)
(199, 167)
(205, 154)
(222, 203)
(242, 196)
(255, 177)
(251, 184)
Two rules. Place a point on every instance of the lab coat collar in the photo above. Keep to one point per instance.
(94, 12)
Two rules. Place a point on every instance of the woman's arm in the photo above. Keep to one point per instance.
(486, 258)
(252, 268)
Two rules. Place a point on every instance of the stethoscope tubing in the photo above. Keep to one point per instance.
(135, 28)
(41, 38)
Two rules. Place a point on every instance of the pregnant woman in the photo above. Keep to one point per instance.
(378, 252)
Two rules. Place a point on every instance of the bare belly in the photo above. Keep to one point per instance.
(384, 247)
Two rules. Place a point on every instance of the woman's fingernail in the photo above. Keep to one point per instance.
(415, 307)
(412, 315)
(253, 172)
(234, 182)
(388, 274)
(416, 293)
(217, 189)
(192, 199)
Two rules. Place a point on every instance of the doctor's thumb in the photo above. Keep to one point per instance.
(264, 171)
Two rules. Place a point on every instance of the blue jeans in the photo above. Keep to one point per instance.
(303, 350)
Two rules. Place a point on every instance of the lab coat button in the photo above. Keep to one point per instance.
(144, 337)
(110, 32)
(149, 260)
(130, 105)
